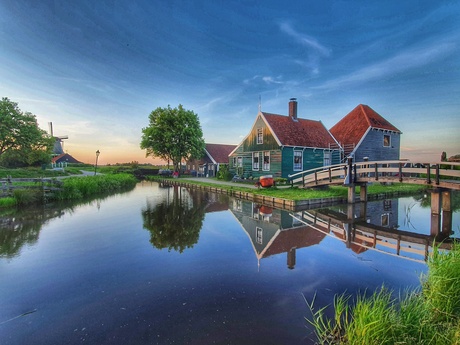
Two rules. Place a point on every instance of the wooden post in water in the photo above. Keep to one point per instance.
(446, 212)
(435, 212)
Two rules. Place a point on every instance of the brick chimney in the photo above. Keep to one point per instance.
(293, 108)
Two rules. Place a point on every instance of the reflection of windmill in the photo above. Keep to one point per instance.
(58, 144)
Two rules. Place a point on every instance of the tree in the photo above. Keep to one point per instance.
(173, 135)
(20, 135)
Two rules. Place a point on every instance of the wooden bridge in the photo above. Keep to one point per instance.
(435, 175)
(360, 236)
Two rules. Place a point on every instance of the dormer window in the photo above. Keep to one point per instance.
(260, 136)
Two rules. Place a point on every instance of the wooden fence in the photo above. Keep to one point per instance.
(9, 185)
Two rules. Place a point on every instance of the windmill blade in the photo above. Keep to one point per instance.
(63, 137)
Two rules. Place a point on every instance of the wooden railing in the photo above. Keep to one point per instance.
(8, 185)
(392, 242)
(440, 174)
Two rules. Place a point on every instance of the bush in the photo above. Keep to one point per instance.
(224, 173)
(28, 196)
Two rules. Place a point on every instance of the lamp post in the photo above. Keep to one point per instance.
(97, 156)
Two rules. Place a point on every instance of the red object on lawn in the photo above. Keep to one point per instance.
(266, 181)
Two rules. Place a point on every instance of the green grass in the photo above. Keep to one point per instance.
(295, 193)
(74, 188)
(7, 202)
(427, 316)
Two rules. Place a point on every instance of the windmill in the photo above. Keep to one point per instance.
(58, 144)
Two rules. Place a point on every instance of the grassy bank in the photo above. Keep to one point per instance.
(295, 193)
(72, 188)
(430, 315)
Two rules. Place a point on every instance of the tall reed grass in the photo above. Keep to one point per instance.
(74, 188)
(430, 315)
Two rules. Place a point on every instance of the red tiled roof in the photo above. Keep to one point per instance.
(65, 157)
(300, 237)
(219, 152)
(299, 132)
(351, 128)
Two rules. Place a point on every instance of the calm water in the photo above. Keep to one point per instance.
(145, 267)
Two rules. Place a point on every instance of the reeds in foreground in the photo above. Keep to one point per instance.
(430, 315)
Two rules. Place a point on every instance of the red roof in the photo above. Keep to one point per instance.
(65, 157)
(300, 237)
(219, 152)
(351, 128)
(299, 132)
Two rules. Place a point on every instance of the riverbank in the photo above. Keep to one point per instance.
(287, 197)
(430, 315)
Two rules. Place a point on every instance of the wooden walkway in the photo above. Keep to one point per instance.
(434, 175)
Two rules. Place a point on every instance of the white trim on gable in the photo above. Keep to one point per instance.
(210, 157)
(261, 114)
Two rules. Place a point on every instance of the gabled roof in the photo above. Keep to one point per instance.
(219, 152)
(351, 128)
(65, 157)
(298, 132)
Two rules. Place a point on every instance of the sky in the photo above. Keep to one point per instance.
(96, 69)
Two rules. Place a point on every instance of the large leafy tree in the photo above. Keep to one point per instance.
(173, 135)
(20, 135)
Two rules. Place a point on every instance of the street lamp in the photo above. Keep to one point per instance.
(97, 156)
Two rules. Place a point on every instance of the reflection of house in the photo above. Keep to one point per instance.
(281, 145)
(274, 231)
(364, 134)
(215, 156)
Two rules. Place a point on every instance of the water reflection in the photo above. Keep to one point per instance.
(175, 222)
(21, 226)
(361, 227)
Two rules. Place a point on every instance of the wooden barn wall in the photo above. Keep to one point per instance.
(372, 147)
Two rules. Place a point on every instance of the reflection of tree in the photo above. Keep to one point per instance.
(18, 228)
(175, 224)
(425, 200)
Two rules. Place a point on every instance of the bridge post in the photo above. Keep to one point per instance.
(363, 192)
(435, 212)
(446, 212)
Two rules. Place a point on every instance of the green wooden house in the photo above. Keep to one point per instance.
(281, 145)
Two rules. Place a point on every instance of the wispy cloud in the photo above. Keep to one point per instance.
(406, 60)
(266, 79)
(305, 40)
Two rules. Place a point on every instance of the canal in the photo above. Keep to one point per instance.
(165, 265)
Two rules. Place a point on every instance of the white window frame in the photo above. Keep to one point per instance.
(259, 235)
(389, 140)
(385, 220)
(266, 166)
(239, 162)
(327, 158)
(297, 166)
(260, 135)
(234, 161)
(255, 161)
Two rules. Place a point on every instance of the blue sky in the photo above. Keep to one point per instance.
(96, 69)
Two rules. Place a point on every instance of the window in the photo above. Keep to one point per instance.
(240, 162)
(234, 161)
(297, 160)
(255, 161)
(259, 234)
(266, 166)
(327, 158)
(386, 219)
(386, 140)
(260, 136)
